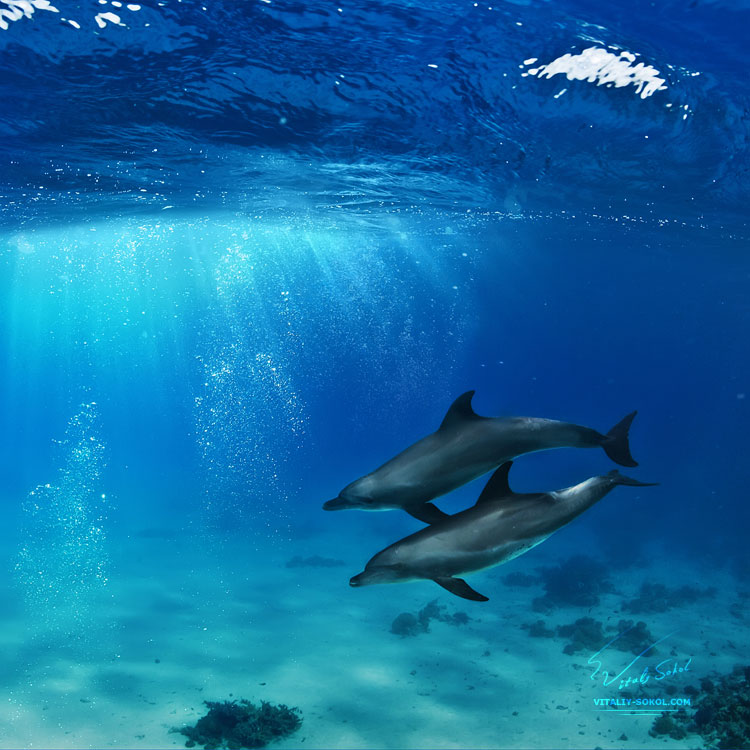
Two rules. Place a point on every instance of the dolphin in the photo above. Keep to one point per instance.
(465, 447)
(501, 526)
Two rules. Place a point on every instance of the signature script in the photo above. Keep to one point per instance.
(666, 668)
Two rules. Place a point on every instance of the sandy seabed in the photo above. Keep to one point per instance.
(176, 626)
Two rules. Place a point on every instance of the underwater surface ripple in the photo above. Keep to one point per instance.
(261, 104)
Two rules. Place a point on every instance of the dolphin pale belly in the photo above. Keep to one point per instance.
(465, 447)
(501, 526)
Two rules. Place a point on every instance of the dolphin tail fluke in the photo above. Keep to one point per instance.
(459, 587)
(622, 479)
(615, 442)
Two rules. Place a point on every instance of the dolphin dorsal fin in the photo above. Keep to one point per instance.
(460, 411)
(498, 487)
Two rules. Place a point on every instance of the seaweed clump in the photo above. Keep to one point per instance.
(538, 629)
(722, 717)
(242, 724)
(635, 638)
(586, 634)
(722, 712)
(666, 724)
(523, 580)
(656, 597)
(406, 624)
(578, 582)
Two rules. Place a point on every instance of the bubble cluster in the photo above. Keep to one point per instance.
(62, 564)
(249, 415)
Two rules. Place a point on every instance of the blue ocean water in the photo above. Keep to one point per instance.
(250, 251)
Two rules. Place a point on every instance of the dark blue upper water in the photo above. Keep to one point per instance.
(274, 240)
(257, 104)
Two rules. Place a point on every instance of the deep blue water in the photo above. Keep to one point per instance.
(259, 248)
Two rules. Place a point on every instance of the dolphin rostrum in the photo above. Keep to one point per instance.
(465, 447)
(501, 526)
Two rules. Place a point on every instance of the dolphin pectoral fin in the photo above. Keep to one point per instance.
(615, 442)
(460, 411)
(427, 513)
(459, 587)
(498, 486)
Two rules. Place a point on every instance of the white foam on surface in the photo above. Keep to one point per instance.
(604, 68)
(14, 10)
(102, 19)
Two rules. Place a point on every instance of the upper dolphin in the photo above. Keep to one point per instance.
(502, 525)
(465, 447)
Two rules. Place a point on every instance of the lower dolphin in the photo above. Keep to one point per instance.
(501, 526)
(465, 447)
